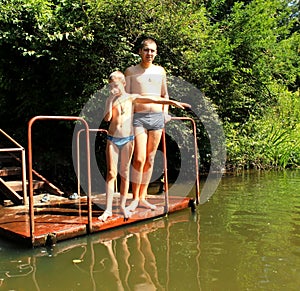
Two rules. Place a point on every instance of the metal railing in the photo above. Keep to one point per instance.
(195, 155)
(30, 178)
(166, 183)
(18, 148)
(88, 165)
(78, 167)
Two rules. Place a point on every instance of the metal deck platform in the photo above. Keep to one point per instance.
(62, 219)
(38, 222)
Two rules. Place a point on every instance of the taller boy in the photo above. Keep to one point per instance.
(146, 79)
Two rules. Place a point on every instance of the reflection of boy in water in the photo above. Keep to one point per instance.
(119, 112)
(144, 276)
(133, 268)
(146, 79)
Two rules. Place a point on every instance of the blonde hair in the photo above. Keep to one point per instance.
(117, 75)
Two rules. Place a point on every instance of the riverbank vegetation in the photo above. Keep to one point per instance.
(243, 55)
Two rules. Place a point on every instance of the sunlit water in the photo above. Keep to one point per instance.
(246, 237)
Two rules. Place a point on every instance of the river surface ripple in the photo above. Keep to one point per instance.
(246, 237)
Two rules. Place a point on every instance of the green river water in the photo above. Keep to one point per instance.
(246, 237)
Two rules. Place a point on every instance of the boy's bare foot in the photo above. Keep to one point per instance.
(146, 204)
(105, 215)
(127, 213)
(133, 205)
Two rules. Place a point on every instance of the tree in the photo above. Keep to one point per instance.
(55, 54)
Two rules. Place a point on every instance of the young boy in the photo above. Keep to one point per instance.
(120, 138)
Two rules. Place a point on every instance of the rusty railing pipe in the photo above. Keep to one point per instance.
(30, 178)
(196, 154)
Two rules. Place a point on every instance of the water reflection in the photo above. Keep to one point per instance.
(133, 258)
(250, 240)
(135, 267)
(249, 233)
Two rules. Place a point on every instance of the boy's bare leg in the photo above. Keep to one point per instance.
(127, 213)
(143, 190)
(153, 140)
(125, 157)
(112, 153)
(139, 159)
(146, 144)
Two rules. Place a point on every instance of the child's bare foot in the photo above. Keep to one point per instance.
(146, 204)
(133, 205)
(105, 215)
(127, 213)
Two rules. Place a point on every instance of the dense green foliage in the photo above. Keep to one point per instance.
(243, 55)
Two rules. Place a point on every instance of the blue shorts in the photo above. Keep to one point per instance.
(120, 141)
(149, 120)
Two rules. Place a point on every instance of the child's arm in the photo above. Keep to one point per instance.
(108, 108)
(159, 100)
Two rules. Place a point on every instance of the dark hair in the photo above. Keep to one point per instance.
(145, 40)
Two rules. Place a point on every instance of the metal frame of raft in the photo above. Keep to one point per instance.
(42, 224)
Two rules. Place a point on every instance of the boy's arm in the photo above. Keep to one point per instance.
(159, 100)
(108, 108)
